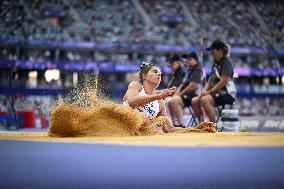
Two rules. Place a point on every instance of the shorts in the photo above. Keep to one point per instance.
(187, 99)
(222, 99)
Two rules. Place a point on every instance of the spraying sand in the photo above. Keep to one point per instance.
(98, 119)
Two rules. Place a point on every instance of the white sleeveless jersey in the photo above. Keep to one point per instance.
(151, 109)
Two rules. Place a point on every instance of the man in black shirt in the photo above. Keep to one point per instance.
(190, 88)
(220, 88)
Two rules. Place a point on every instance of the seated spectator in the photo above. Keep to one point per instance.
(190, 88)
(220, 88)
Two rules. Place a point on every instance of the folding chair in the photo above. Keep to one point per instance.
(220, 108)
(192, 119)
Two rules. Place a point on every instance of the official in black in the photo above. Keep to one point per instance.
(220, 88)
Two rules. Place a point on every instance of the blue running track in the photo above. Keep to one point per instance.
(69, 165)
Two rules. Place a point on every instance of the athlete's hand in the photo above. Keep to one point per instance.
(167, 92)
(206, 124)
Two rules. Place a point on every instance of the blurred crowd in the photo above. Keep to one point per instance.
(85, 56)
(273, 15)
(240, 23)
(41, 105)
(232, 21)
(260, 106)
(28, 21)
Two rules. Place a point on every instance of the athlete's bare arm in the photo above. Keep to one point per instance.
(134, 100)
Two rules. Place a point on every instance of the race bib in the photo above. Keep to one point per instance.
(231, 88)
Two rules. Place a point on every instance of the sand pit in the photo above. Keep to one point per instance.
(172, 139)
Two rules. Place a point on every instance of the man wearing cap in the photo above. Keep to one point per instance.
(220, 88)
(190, 88)
(176, 78)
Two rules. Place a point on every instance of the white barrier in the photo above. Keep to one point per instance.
(259, 123)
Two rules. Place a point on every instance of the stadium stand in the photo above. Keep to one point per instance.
(244, 24)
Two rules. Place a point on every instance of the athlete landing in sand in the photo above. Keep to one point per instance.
(141, 95)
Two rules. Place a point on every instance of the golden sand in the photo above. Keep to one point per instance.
(108, 119)
(170, 139)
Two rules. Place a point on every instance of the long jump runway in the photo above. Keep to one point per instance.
(46, 162)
